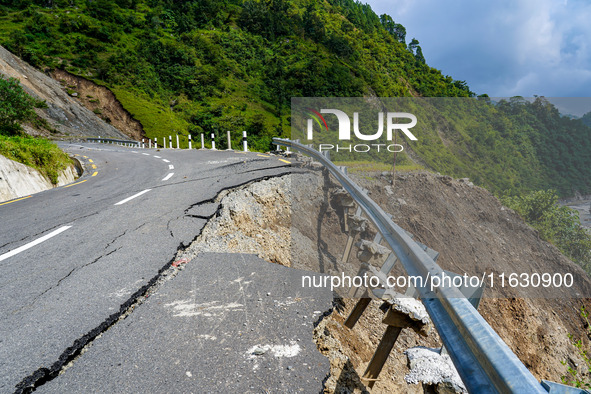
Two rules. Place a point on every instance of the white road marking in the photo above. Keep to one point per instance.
(170, 167)
(166, 161)
(146, 154)
(132, 197)
(168, 176)
(33, 243)
(158, 157)
(133, 151)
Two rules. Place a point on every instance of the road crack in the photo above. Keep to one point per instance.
(44, 375)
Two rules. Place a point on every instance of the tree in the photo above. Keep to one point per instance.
(16, 106)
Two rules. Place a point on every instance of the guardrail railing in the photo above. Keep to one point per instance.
(485, 363)
(114, 141)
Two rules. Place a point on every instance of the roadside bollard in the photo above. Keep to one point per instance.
(190, 144)
(150, 143)
(213, 141)
(229, 141)
(202, 141)
(177, 141)
(170, 141)
(244, 142)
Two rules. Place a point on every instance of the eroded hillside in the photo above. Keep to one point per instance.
(466, 224)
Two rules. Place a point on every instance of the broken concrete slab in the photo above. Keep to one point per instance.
(246, 328)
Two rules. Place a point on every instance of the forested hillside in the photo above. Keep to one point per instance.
(222, 65)
(211, 66)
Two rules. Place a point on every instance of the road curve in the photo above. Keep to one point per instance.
(72, 256)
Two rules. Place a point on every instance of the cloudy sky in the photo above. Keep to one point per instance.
(503, 47)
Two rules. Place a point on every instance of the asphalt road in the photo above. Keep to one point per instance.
(74, 258)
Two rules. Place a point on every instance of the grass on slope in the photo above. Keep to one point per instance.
(38, 153)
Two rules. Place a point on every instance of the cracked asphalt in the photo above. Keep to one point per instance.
(128, 218)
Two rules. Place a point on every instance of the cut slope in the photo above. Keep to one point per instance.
(63, 112)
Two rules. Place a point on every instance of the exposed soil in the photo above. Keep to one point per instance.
(295, 221)
(101, 101)
(64, 116)
(475, 233)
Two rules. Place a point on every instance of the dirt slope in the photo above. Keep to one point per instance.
(466, 224)
(101, 101)
(475, 233)
(64, 113)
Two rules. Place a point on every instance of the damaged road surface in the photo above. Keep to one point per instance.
(119, 231)
(224, 324)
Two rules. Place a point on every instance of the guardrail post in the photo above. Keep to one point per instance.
(229, 141)
(202, 141)
(213, 141)
(190, 144)
(357, 311)
(244, 142)
(381, 355)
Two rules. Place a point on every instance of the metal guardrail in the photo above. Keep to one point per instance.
(485, 363)
(113, 141)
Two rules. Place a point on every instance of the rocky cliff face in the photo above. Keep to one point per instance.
(64, 113)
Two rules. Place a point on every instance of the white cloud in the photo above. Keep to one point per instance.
(503, 47)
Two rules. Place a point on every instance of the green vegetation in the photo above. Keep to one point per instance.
(16, 106)
(557, 224)
(205, 66)
(572, 378)
(212, 66)
(38, 153)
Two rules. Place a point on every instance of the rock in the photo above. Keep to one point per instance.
(429, 367)
(389, 190)
(446, 180)
(259, 351)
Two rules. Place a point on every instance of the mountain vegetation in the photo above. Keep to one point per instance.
(16, 107)
(210, 66)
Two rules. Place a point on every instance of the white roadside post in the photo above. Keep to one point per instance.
(244, 142)
(202, 141)
(229, 141)
(213, 141)
(177, 141)
(150, 143)
(190, 144)
(143, 145)
(155, 143)
(170, 141)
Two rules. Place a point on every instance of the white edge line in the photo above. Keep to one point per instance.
(33, 243)
(168, 176)
(170, 167)
(132, 197)
(158, 157)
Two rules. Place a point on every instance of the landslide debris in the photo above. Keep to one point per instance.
(294, 221)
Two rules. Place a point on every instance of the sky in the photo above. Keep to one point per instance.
(503, 47)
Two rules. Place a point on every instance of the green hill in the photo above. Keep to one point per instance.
(211, 66)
